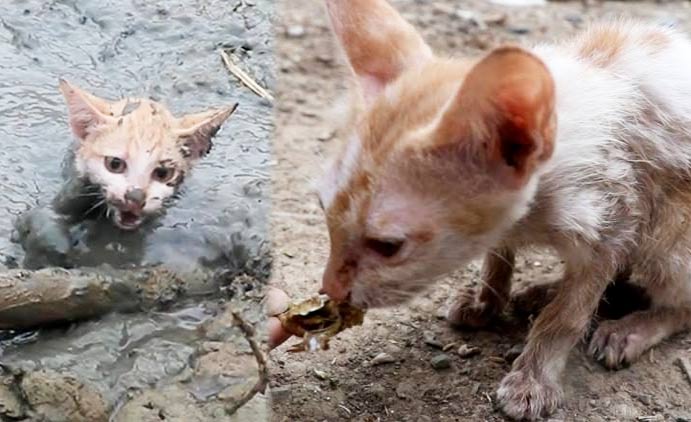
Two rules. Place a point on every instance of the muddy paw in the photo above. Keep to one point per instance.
(522, 396)
(468, 311)
(616, 344)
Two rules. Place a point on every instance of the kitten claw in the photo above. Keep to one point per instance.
(615, 344)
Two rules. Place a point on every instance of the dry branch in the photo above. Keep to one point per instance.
(30, 299)
(262, 367)
(244, 77)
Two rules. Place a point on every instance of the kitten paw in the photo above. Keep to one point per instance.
(523, 396)
(530, 300)
(616, 344)
(468, 311)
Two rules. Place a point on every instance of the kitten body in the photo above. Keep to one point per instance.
(583, 147)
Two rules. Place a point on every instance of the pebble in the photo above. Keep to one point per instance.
(625, 412)
(320, 374)
(466, 351)
(406, 389)
(295, 31)
(282, 393)
(383, 358)
(574, 19)
(643, 398)
(519, 30)
(513, 353)
(441, 361)
(685, 366)
(431, 340)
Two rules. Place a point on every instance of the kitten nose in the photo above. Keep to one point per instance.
(135, 197)
(335, 290)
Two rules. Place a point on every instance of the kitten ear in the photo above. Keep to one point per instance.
(378, 42)
(196, 131)
(86, 111)
(503, 115)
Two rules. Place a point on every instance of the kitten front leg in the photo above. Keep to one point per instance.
(473, 310)
(532, 389)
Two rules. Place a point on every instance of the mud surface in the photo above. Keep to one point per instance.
(395, 368)
(184, 361)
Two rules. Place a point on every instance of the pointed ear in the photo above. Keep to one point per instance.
(503, 115)
(196, 131)
(86, 112)
(378, 42)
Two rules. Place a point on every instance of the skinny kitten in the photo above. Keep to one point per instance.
(130, 157)
(583, 147)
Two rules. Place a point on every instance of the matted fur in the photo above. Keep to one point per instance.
(583, 147)
(146, 137)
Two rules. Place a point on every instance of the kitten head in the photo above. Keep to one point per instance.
(442, 156)
(136, 151)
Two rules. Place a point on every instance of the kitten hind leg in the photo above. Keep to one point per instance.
(472, 310)
(618, 343)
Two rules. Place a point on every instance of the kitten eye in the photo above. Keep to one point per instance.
(385, 248)
(115, 164)
(163, 174)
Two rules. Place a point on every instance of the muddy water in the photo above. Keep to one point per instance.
(166, 50)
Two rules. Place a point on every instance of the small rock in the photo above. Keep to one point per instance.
(295, 31)
(320, 374)
(383, 358)
(10, 404)
(476, 388)
(625, 412)
(282, 393)
(431, 340)
(441, 361)
(643, 398)
(519, 30)
(406, 389)
(653, 418)
(326, 135)
(392, 349)
(685, 366)
(495, 19)
(574, 19)
(378, 390)
(513, 353)
(466, 351)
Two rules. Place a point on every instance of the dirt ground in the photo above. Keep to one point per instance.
(344, 383)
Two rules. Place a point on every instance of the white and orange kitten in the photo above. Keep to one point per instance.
(583, 147)
(131, 156)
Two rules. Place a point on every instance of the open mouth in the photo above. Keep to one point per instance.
(127, 220)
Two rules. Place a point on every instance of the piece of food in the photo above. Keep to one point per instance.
(317, 320)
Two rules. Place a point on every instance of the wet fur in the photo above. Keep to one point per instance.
(146, 136)
(582, 147)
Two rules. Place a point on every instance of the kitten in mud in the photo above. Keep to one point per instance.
(130, 157)
(582, 147)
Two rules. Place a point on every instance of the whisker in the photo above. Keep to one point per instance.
(96, 205)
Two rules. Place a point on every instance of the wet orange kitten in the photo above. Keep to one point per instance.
(131, 156)
(583, 147)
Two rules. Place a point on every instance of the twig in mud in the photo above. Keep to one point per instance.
(262, 367)
(244, 77)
